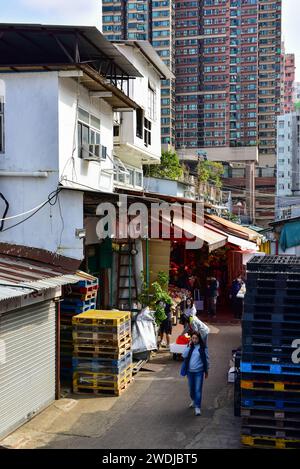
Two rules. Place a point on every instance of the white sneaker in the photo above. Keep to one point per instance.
(192, 405)
(197, 411)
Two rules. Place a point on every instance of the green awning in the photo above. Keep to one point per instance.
(290, 235)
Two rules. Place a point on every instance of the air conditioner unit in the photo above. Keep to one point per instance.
(90, 152)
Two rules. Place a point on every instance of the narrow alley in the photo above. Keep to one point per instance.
(152, 413)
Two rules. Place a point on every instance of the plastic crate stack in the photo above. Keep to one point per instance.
(270, 374)
(102, 357)
(78, 298)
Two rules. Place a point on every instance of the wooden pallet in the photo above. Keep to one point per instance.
(114, 339)
(102, 353)
(80, 346)
(96, 380)
(116, 391)
(102, 318)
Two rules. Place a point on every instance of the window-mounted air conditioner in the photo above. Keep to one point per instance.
(91, 152)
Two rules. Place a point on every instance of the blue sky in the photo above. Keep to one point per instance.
(87, 12)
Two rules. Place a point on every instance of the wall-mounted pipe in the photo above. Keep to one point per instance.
(35, 174)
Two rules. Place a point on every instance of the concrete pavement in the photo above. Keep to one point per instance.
(152, 413)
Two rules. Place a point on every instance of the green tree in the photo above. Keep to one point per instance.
(169, 167)
(211, 172)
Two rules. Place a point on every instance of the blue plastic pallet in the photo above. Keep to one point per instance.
(269, 403)
(97, 363)
(86, 283)
(78, 302)
(276, 369)
(78, 309)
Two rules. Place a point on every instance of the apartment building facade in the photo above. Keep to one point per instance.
(288, 71)
(153, 21)
(288, 165)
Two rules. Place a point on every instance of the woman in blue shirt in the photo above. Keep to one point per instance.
(196, 365)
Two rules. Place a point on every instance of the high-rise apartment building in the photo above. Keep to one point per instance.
(153, 21)
(217, 73)
(228, 73)
(288, 71)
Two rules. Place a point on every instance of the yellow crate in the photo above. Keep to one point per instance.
(102, 318)
(268, 442)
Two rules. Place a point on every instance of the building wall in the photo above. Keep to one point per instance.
(284, 155)
(31, 146)
(138, 91)
(153, 21)
(90, 174)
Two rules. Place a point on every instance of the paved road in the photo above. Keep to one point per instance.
(152, 413)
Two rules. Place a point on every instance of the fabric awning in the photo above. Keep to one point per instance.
(239, 230)
(201, 233)
(241, 243)
(290, 235)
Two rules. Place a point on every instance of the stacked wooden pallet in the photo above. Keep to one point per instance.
(78, 298)
(102, 357)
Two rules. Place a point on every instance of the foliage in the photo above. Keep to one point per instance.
(169, 167)
(158, 291)
(231, 217)
(211, 172)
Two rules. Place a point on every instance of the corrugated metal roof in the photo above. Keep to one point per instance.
(32, 44)
(151, 54)
(20, 276)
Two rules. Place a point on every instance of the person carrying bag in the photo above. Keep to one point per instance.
(195, 367)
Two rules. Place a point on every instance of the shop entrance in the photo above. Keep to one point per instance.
(190, 271)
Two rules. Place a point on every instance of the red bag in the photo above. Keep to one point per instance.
(182, 340)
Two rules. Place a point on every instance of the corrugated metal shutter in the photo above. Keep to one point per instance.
(27, 363)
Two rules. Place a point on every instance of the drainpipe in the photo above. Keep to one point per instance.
(147, 263)
(57, 387)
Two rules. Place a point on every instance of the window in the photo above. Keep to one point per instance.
(2, 147)
(147, 132)
(89, 136)
(139, 123)
(127, 175)
(151, 102)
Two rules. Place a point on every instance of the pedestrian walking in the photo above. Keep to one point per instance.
(237, 287)
(166, 325)
(188, 308)
(195, 367)
(212, 295)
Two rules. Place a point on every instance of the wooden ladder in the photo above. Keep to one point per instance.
(127, 292)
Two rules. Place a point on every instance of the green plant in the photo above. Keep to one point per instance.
(211, 172)
(169, 167)
(154, 294)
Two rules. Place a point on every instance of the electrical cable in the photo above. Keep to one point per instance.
(5, 211)
(50, 197)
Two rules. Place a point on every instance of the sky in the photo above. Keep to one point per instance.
(87, 12)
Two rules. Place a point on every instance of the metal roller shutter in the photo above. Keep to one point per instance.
(27, 363)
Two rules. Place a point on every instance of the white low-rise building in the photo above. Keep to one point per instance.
(60, 87)
(137, 135)
(288, 165)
